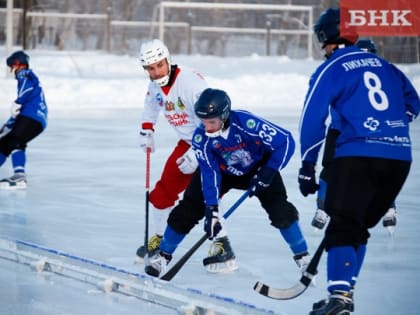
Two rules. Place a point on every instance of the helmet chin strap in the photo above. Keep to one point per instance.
(214, 134)
(217, 133)
(162, 81)
(165, 79)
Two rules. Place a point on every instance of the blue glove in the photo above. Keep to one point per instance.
(306, 179)
(212, 225)
(262, 180)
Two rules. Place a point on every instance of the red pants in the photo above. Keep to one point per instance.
(172, 181)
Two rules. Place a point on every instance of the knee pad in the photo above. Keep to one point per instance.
(11, 144)
(183, 220)
(282, 217)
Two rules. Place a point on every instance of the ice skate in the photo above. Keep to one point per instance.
(389, 220)
(156, 264)
(323, 302)
(17, 181)
(221, 258)
(337, 303)
(152, 246)
(320, 219)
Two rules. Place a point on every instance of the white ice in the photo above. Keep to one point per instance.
(86, 190)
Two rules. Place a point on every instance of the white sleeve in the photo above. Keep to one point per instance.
(151, 107)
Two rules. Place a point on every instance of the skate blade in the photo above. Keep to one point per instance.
(390, 230)
(223, 267)
(7, 186)
(138, 260)
(313, 282)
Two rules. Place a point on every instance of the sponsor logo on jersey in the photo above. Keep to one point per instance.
(176, 119)
(242, 157)
(395, 123)
(159, 99)
(169, 106)
(198, 138)
(180, 104)
(371, 124)
(250, 123)
(394, 141)
(216, 144)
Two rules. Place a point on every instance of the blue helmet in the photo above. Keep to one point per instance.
(327, 29)
(18, 57)
(213, 103)
(367, 45)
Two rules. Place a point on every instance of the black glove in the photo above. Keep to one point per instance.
(212, 225)
(306, 179)
(262, 180)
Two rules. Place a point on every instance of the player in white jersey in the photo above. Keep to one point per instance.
(174, 90)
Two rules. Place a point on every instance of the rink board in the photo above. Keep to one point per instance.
(112, 279)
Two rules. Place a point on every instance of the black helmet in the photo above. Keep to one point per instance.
(213, 103)
(367, 45)
(18, 57)
(327, 29)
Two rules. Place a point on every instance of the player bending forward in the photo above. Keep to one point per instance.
(235, 149)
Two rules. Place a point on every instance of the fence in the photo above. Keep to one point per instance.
(207, 28)
(224, 29)
(264, 22)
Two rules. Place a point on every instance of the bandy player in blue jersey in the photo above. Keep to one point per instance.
(29, 116)
(371, 103)
(235, 150)
(320, 219)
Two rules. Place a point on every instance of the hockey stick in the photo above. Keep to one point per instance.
(300, 287)
(181, 262)
(146, 227)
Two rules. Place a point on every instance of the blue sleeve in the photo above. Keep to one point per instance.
(314, 114)
(411, 97)
(209, 168)
(28, 83)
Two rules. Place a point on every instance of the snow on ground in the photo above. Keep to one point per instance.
(86, 191)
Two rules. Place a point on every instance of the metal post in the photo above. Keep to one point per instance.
(310, 23)
(189, 39)
(108, 28)
(161, 23)
(24, 30)
(9, 27)
(268, 38)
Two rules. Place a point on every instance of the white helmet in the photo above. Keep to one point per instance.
(152, 52)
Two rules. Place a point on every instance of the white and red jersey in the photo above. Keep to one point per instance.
(176, 100)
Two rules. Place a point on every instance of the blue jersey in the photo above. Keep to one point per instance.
(31, 97)
(367, 98)
(247, 141)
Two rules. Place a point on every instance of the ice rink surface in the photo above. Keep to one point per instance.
(85, 196)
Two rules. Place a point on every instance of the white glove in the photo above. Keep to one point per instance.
(146, 140)
(15, 109)
(187, 163)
